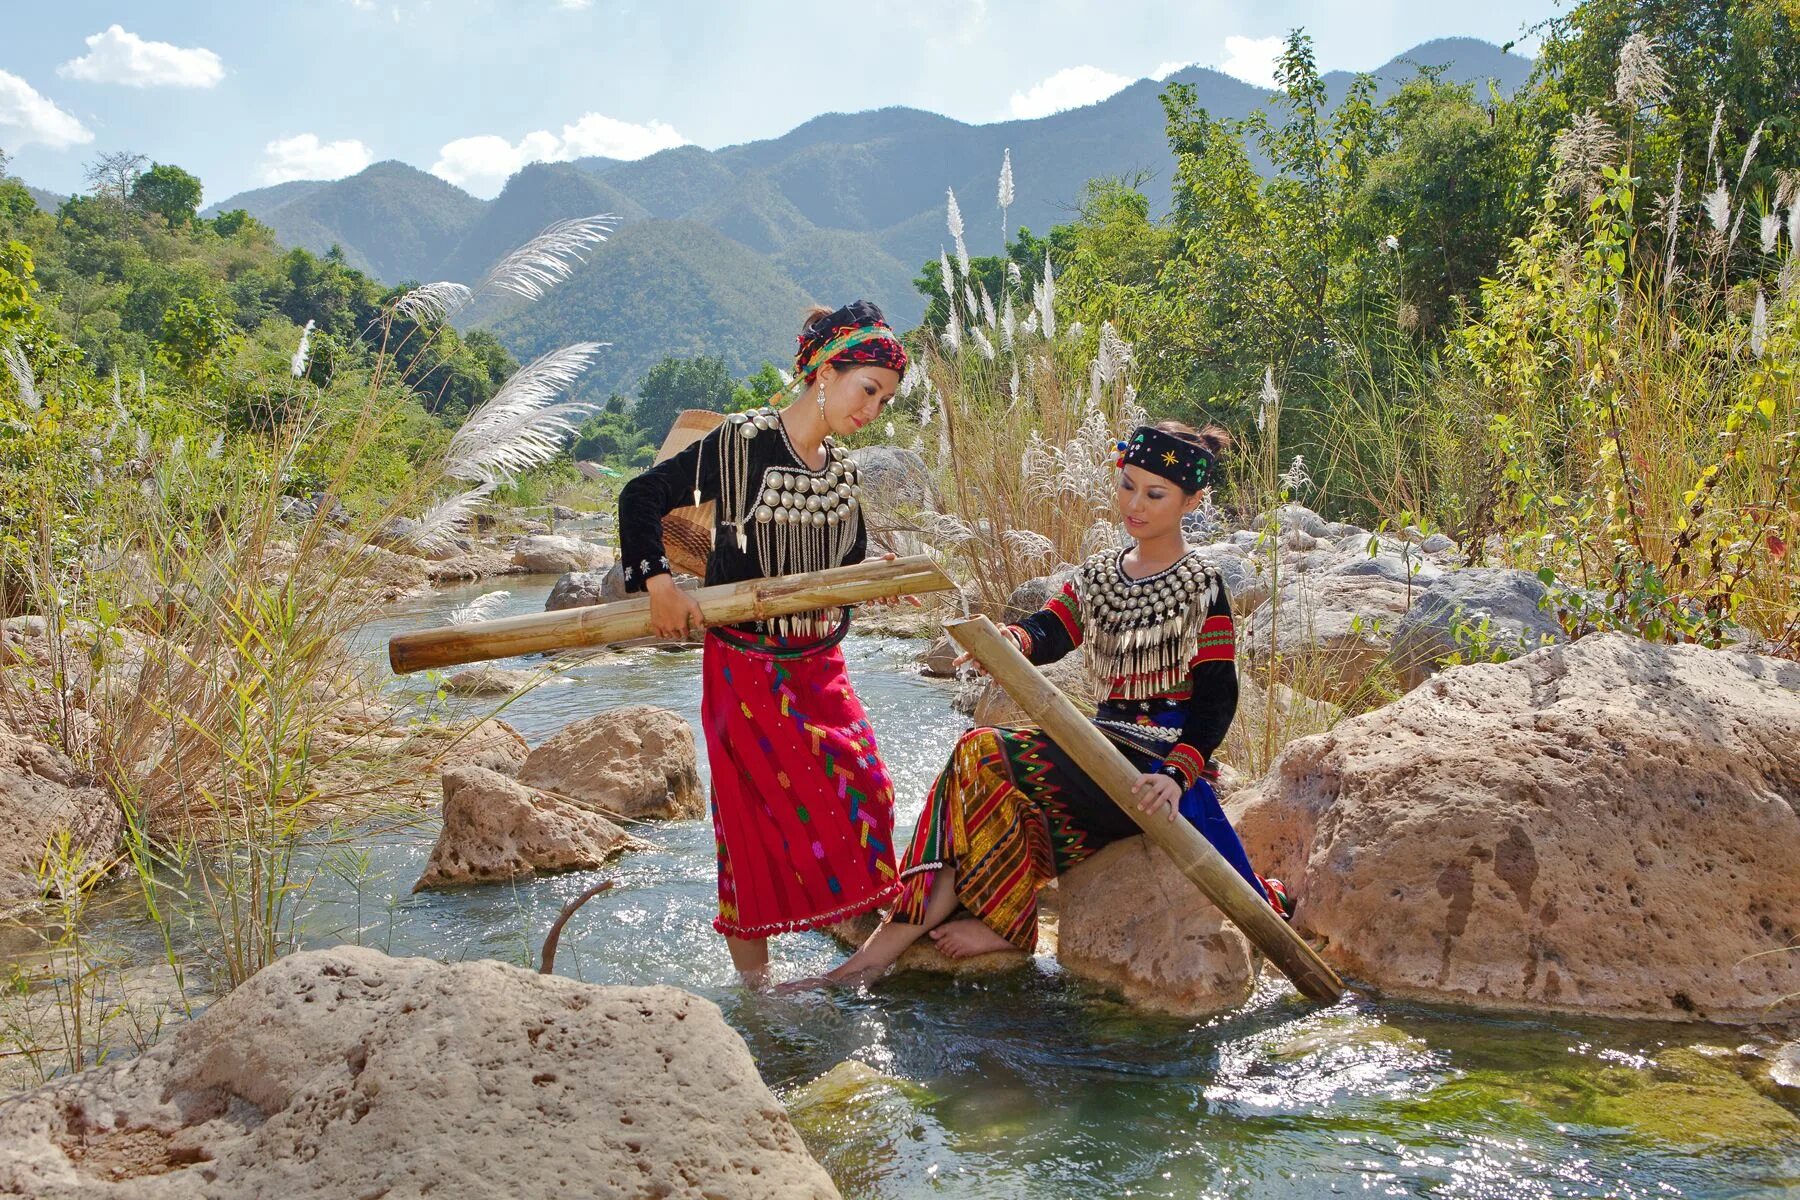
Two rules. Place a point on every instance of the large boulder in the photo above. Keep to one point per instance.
(1607, 826)
(497, 829)
(635, 762)
(478, 562)
(1130, 920)
(345, 1072)
(43, 796)
(1297, 516)
(1478, 612)
(1033, 594)
(553, 554)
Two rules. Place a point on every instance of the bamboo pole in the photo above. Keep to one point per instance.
(725, 604)
(1103, 762)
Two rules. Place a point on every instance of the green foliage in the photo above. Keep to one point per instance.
(675, 384)
(168, 192)
(195, 337)
(614, 436)
(756, 390)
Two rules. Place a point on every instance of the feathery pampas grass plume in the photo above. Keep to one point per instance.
(1582, 150)
(1771, 232)
(1640, 79)
(1044, 298)
(19, 367)
(1712, 140)
(1718, 208)
(981, 342)
(441, 523)
(1115, 354)
(298, 364)
(1269, 400)
(1006, 187)
(987, 309)
(549, 258)
(215, 451)
(953, 330)
(430, 303)
(142, 444)
(1759, 325)
(1750, 153)
(481, 608)
(1673, 215)
(1794, 229)
(520, 426)
(1009, 325)
(953, 218)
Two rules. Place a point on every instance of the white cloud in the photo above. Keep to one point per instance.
(1164, 70)
(1068, 88)
(1252, 59)
(27, 117)
(481, 164)
(304, 156)
(117, 56)
(574, 5)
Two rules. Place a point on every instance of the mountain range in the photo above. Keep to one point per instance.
(719, 251)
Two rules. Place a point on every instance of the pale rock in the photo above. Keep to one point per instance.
(1332, 631)
(1607, 826)
(1448, 615)
(497, 829)
(555, 554)
(1131, 921)
(42, 796)
(636, 762)
(343, 1072)
(489, 680)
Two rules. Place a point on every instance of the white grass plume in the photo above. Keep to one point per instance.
(430, 303)
(1771, 232)
(987, 309)
(1640, 79)
(521, 425)
(1759, 325)
(482, 608)
(981, 342)
(1006, 187)
(1794, 228)
(953, 218)
(442, 522)
(549, 258)
(1718, 208)
(298, 364)
(217, 449)
(19, 367)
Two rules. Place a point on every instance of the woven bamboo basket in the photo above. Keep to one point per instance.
(688, 531)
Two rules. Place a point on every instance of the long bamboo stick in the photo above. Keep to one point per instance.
(1202, 864)
(725, 604)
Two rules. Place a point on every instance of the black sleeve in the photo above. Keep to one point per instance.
(1214, 698)
(659, 491)
(1055, 629)
(859, 546)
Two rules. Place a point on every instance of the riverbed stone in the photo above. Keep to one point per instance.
(1608, 826)
(344, 1072)
(937, 661)
(581, 589)
(894, 480)
(555, 554)
(489, 680)
(42, 797)
(1297, 516)
(924, 956)
(637, 762)
(1131, 921)
(497, 829)
(993, 707)
(1448, 614)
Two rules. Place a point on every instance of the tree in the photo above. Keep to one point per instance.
(229, 224)
(169, 192)
(195, 336)
(612, 434)
(755, 390)
(675, 384)
(111, 175)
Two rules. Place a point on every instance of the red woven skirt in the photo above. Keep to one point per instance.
(802, 806)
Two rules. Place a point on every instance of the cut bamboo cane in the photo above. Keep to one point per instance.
(725, 604)
(1103, 762)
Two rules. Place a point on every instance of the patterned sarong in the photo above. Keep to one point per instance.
(1011, 811)
(802, 806)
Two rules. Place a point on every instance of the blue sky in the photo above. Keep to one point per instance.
(249, 94)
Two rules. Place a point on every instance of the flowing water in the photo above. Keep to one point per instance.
(1037, 1085)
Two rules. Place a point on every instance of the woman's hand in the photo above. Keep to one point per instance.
(1011, 632)
(1155, 792)
(884, 601)
(673, 613)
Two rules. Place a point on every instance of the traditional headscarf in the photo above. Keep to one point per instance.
(856, 334)
(1159, 452)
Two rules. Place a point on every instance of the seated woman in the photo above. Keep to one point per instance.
(1010, 810)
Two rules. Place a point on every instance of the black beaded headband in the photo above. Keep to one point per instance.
(1162, 453)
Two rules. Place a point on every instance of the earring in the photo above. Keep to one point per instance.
(821, 399)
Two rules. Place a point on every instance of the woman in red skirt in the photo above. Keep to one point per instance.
(802, 806)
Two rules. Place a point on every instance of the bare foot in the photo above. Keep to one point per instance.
(756, 979)
(967, 938)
